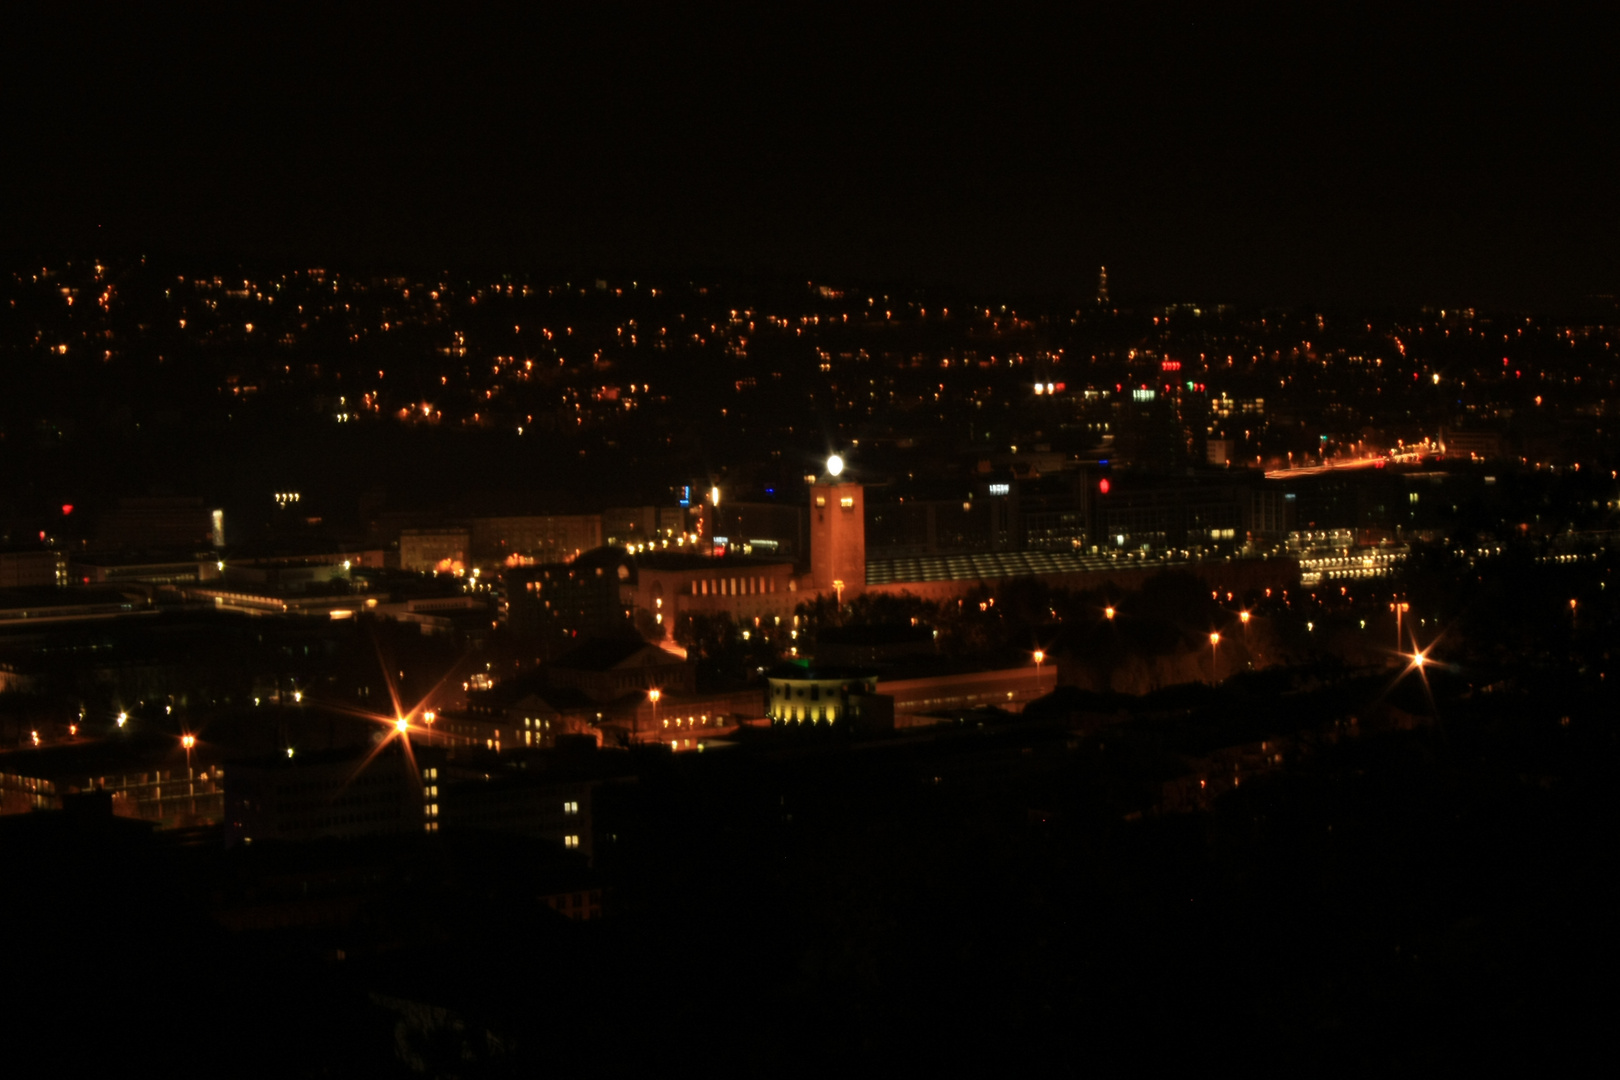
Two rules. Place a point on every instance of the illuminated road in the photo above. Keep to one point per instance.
(1403, 457)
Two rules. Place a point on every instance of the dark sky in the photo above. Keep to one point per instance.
(1222, 151)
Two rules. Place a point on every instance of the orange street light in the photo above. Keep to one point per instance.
(1108, 613)
(1214, 657)
(189, 740)
(1243, 617)
(1039, 657)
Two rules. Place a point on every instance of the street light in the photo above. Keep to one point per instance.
(188, 741)
(653, 695)
(1039, 657)
(1243, 617)
(1108, 613)
(1215, 657)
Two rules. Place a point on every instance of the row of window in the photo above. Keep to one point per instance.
(748, 586)
(815, 715)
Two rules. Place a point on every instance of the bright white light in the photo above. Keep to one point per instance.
(835, 465)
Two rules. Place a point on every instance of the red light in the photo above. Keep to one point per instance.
(67, 508)
(1103, 485)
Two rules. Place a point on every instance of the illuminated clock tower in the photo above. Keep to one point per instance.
(837, 534)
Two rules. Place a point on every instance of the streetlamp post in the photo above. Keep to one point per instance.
(653, 695)
(1039, 657)
(1215, 657)
(188, 741)
(1399, 608)
(1108, 613)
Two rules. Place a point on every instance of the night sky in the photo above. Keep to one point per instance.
(1204, 152)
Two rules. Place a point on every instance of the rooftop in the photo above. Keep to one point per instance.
(605, 654)
(799, 669)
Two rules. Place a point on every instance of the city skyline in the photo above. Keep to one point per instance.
(823, 541)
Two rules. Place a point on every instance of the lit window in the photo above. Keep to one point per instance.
(570, 841)
(570, 807)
